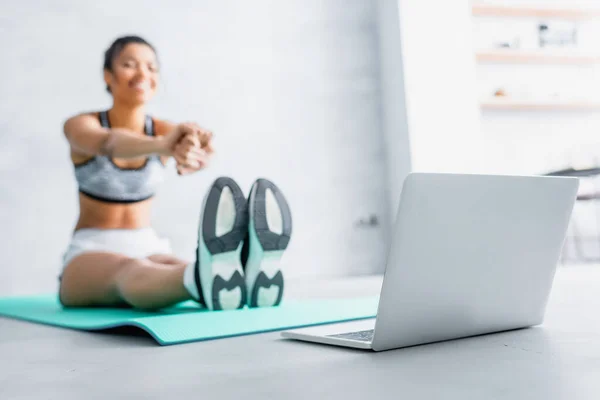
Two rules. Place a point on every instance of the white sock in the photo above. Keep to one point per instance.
(189, 281)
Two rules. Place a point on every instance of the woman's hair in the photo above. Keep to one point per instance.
(117, 46)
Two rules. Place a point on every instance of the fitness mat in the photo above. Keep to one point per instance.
(187, 322)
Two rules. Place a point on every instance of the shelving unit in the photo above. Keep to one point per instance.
(536, 56)
(556, 119)
(508, 104)
(482, 9)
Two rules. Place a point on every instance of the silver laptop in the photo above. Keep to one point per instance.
(470, 255)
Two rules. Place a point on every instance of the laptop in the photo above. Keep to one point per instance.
(470, 255)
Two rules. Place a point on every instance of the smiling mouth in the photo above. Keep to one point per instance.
(140, 86)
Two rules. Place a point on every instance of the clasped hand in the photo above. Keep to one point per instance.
(191, 147)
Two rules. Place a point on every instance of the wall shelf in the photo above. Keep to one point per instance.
(509, 104)
(549, 56)
(482, 9)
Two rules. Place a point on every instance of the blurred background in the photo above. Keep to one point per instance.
(334, 100)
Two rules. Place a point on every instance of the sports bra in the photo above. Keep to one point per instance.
(101, 179)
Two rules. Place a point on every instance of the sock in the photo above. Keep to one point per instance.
(189, 281)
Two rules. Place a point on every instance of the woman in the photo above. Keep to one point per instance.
(115, 258)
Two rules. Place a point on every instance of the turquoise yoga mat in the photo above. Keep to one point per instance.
(187, 322)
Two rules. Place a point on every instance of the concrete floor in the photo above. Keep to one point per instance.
(559, 360)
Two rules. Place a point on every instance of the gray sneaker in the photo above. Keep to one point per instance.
(269, 233)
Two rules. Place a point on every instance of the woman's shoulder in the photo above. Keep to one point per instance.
(81, 119)
(162, 126)
(84, 115)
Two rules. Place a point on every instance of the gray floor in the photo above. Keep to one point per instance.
(559, 360)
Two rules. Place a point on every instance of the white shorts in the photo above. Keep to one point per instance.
(134, 243)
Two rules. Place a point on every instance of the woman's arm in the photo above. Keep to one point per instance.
(87, 136)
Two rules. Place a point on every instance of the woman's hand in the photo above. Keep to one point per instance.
(190, 145)
(190, 155)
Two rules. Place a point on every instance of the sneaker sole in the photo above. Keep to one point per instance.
(269, 232)
(223, 226)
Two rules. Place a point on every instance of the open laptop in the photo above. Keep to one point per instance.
(470, 255)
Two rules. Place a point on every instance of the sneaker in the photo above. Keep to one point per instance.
(269, 232)
(223, 225)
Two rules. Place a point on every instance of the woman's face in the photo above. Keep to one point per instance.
(134, 74)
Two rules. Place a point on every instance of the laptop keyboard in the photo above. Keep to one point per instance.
(363, 336)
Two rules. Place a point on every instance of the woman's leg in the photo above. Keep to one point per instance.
(167, 259)
(106, 279)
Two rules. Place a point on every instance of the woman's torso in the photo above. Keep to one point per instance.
(117, 193)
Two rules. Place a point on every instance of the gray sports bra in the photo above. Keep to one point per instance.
(100, 178)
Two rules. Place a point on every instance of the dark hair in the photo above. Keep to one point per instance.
(117, 47)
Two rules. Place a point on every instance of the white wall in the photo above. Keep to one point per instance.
(439, 76)
(291, 90)
(394, 116)
(430, 112)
